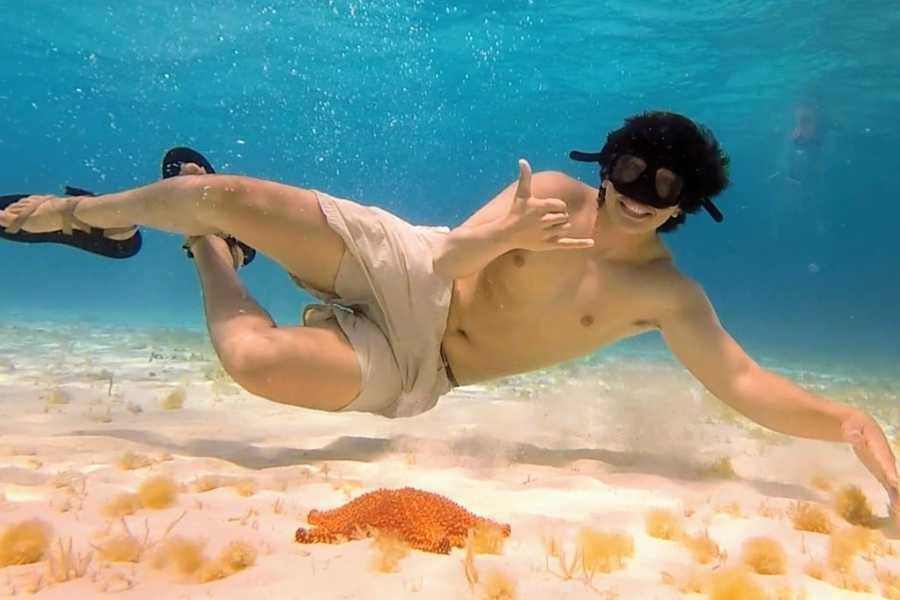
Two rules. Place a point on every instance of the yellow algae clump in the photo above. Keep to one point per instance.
(182, 555)
(487, 540)
(24, 543)
(498, 585)
(784, 591)
(890, 584)
(174, 399)
(237, 556)
(120, 548)
(389, 550)
(767, 510)
(845, 544)
(603, 552)
(122, 505)
(852, 505)
(694, 583)
(765, 556)
(807, 516)
(816, 570)
(129, 461)
(158, 492)
(211, 571)
(206, 483)
(850, 582)
(821, 482)
(58, 396)
(702, 548)
(842, 551)
(729, 508)
(734, 584)
(722, 468)
(245, 487)
(663, 524)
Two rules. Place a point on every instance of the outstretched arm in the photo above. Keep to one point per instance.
(692, 331)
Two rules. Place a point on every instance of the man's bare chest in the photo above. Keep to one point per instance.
(562, 295)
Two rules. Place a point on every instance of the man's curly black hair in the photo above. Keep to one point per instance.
(677, 143)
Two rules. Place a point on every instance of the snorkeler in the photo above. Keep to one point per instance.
(802, 199)
(548, 270)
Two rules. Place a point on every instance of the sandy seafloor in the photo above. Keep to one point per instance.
(586, 445)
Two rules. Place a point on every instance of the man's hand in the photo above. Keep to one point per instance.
(539, 223)
(871, 447)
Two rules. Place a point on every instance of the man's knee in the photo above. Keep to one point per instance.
(313, 370)
(250, 358)
(268, 364)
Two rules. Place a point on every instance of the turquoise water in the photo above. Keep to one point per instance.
(423, 108)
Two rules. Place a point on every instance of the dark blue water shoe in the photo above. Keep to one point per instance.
(171, 167)
(95, 240)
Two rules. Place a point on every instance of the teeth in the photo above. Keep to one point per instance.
(633, 210)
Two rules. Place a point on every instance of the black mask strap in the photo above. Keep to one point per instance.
(585, 156)
(712, 210)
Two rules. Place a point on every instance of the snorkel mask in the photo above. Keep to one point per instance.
(646, 181)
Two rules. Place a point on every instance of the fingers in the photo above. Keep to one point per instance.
(554, 205)
(523, 189)
(554, 210)
(561, 243)
(555, 218)
(573, 243)
(555, 241)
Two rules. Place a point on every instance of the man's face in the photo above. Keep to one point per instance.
(631, 215)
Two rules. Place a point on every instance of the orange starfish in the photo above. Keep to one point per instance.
(424, 520)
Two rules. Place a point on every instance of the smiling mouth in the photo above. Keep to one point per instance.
(634, 210)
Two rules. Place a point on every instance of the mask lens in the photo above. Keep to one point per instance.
(668, 185)
(628, 168)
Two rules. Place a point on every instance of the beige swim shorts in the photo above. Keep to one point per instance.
(390, 304)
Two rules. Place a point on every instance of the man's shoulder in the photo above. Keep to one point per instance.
(556, 184)
(674, 291)
(557, 179)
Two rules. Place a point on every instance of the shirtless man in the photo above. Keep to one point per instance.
(548, 270)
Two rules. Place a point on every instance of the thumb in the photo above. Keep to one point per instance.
(523, 189)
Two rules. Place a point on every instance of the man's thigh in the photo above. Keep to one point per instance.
(286, 224)
(312, 366)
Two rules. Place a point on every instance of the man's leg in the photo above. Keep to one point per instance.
(281, 221)
(307, 366)
(312, 366)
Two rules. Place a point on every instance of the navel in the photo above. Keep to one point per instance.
(518, 260)
(587, 320)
